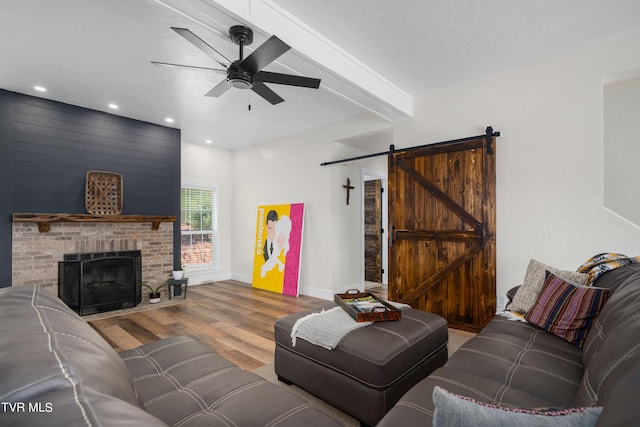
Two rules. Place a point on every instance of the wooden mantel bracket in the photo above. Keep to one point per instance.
(44, 220)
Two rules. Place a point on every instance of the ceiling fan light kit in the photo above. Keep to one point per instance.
(238, 78)
(246, 73)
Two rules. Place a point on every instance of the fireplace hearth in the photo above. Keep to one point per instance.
(100, 281)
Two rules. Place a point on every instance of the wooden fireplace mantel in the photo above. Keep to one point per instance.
(44, 220)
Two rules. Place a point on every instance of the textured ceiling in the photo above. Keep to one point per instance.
(423, 45)
(95, 52)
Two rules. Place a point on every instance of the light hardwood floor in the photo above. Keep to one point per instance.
(235, 319)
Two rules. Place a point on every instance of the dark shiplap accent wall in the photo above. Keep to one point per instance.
(6, 194)
(51, 146)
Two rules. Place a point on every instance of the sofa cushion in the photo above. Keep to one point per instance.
(461, 411)
(46, 347)
(515, 363)
(612, 347)
(508, 363)
(621, 403)
(565, 310)
(533, 282)
(184, 382)
(416, 407)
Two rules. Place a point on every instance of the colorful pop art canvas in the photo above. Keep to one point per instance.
(277, 250)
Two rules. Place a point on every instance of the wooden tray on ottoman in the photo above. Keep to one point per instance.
(366, 307)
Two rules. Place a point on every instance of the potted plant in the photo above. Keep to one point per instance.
(154, 293)
(177, 270)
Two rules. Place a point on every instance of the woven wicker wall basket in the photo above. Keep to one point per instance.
(103, 193)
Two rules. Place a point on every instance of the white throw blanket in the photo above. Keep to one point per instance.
(326, 328)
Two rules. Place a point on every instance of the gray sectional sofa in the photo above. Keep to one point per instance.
(517, 365)
(57, 371)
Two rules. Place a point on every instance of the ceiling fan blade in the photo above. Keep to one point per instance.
(203, 46)
(219, 89)
(287, 79)
(168, 64)
(265, 54)
(262, 90)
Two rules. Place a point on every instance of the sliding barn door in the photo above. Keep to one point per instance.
(442, 223)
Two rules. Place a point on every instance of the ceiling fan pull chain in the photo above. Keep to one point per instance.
(249, 101)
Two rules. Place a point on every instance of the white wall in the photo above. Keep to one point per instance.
(211, 167)
(549, 172)
(549, 157)
(289, 171)
(621, 148)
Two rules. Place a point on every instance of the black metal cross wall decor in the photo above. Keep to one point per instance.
(348, 187)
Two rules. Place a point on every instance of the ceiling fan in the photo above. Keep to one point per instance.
(246, 73)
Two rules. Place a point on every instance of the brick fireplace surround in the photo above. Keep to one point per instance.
(35, 255)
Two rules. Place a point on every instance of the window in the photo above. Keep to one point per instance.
(199, 227)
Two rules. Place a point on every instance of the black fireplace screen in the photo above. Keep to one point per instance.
(103, 281)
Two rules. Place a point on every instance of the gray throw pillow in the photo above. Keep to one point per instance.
(527, 294)
(461, 411)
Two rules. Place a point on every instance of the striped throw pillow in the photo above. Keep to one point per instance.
(566, 310)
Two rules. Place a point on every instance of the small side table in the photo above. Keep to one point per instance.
(180, 282)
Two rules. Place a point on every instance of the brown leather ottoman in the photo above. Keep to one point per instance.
(370, 369)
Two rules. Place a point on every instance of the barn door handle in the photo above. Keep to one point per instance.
(392, 235)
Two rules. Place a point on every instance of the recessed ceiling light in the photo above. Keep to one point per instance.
(208, 141)
(113, 106)
(40, 88)
(169, 120)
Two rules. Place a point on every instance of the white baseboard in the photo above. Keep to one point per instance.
(241, 277)
(317, 293)
(325, 294)
(198, 278)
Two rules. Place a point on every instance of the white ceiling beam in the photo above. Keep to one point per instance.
(347, 76)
